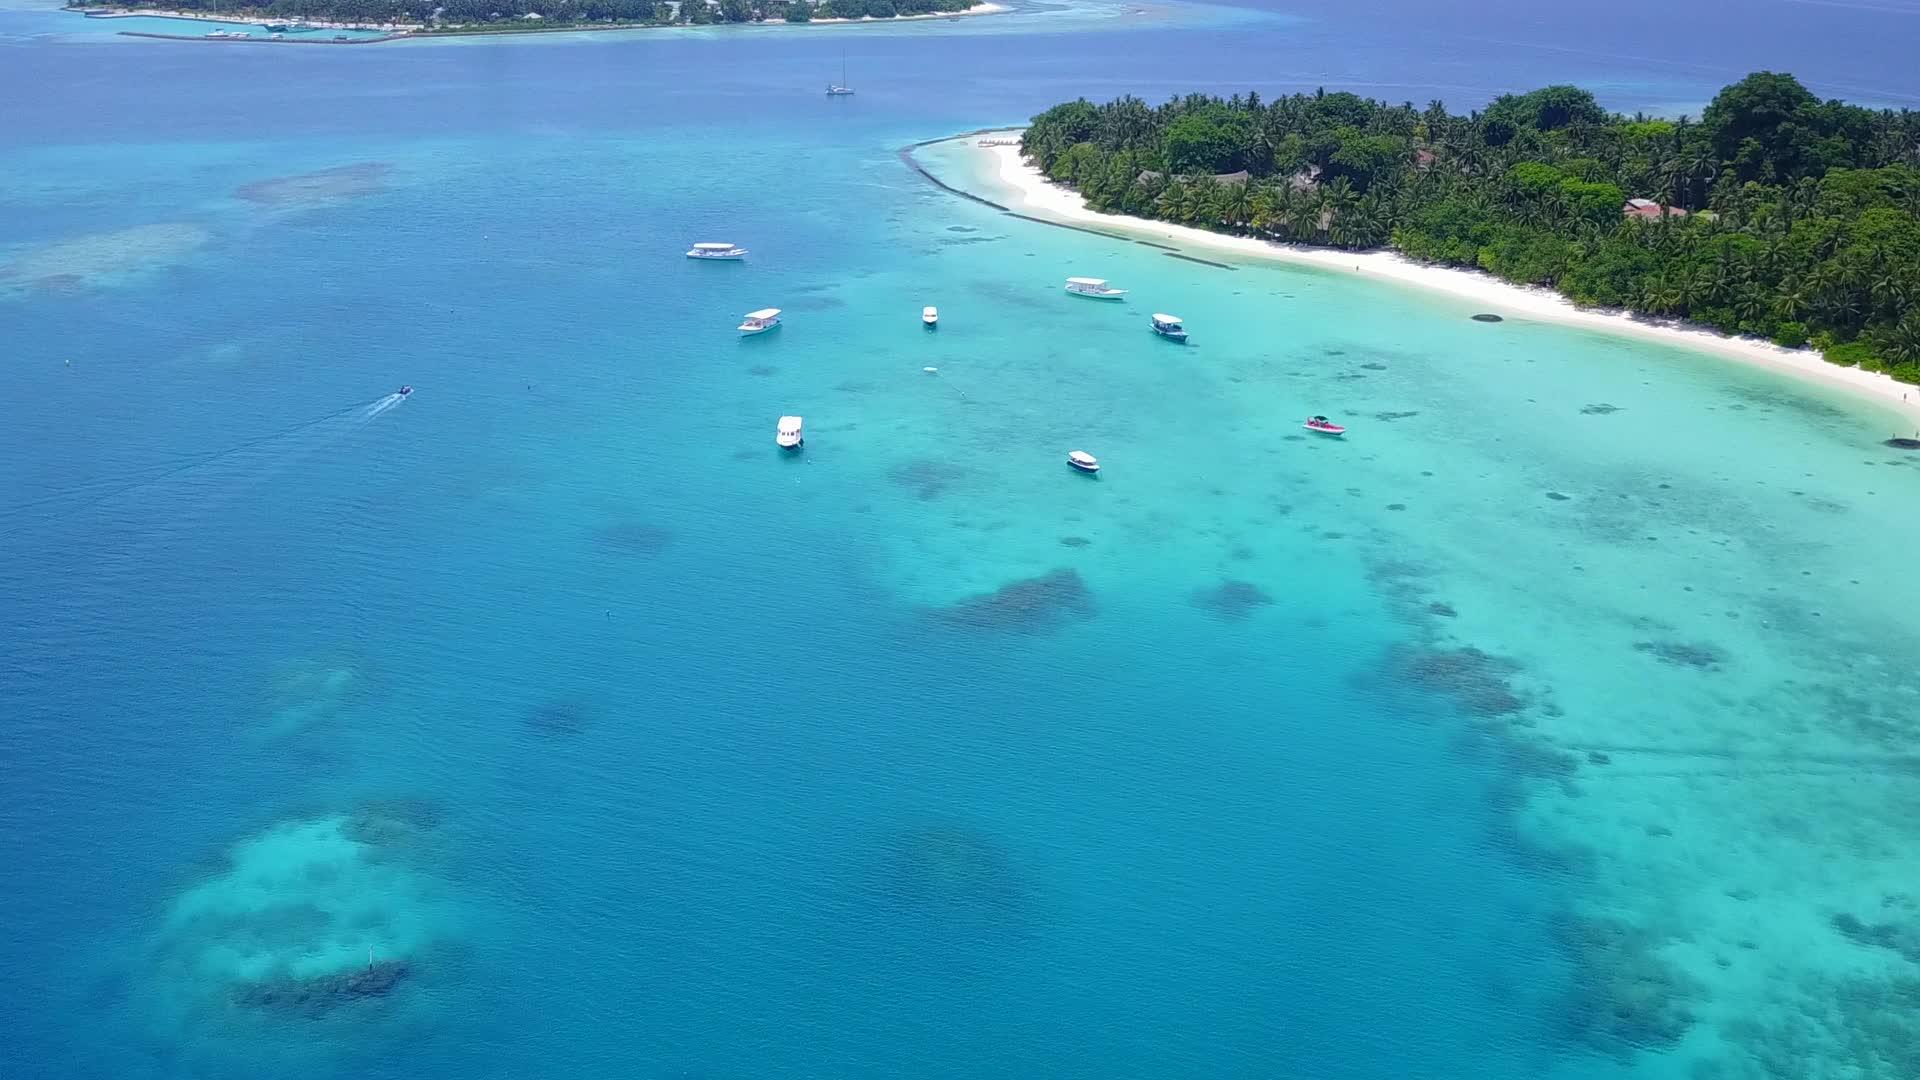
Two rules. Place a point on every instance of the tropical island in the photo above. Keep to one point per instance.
(482, 16)
(1775, 215)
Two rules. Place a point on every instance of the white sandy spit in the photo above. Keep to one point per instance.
(1024, 189)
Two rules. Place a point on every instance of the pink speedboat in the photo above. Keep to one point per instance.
(1324, 426)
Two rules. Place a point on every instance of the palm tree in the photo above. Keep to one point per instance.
(1751, 306)
(1261, 209)
(1891, 292)
(1237, 203)
(1792, 300)
(1900, 346)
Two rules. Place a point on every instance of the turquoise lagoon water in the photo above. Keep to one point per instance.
(552, 723)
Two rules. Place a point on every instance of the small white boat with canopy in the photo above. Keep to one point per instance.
(710, 249)
(1168, 326)
(759, 322)
(788, 434)
(930, 315)
(1094, 287)
(1083, 461)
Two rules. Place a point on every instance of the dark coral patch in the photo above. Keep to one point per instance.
(1477, 680)
(1903, 939)
(1684, 654)
(339, 182)
(559, 719)
(1622, 997)
(391, 822)
(636, 537)
(1233, 601)
(1035, 605)
(927, 479)
(322, 994)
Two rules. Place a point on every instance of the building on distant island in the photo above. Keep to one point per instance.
(1649, 210)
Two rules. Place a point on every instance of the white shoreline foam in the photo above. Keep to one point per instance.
(1027, 191)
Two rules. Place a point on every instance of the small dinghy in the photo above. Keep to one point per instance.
(1083, 461)
(930, 316)
(1324, 426)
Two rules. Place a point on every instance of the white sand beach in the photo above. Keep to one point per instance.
(1021, 187)
(403, 28)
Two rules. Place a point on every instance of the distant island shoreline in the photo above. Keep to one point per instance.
(783, 12)
(1778, 227)
(1017, 187)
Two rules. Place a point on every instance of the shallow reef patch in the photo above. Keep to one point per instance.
(561, 719)
(1622, 996)
(87, 260)
(1232, 601)
(635, 537)
(1701, 657)
(1479, 682)
(307, 692)
(1902, 938)
(319, 186)
(927, 478)
(1035, 605)
(306, 917)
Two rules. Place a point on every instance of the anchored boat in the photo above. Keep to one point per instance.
(1096, 288)
(788, 434)
(715, 250)
(1083, 461)
(1168, 326)
(759, 322)
(1324, 426)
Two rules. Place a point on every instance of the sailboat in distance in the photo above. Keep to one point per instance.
(840, 89)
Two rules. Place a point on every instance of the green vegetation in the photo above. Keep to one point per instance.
(1775, 214)
(468, 15)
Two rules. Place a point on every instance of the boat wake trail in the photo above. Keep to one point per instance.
(391, 401)
(213, 476)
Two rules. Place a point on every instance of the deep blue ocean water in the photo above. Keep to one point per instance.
(651, 752)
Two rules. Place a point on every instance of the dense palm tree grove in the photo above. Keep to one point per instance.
(1774, 214)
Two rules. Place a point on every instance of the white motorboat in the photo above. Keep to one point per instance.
(712, 250)
(930, 315)
(788, 434)
(759, 322)
(1094, 287)
(1083, 461)
(1168, 326)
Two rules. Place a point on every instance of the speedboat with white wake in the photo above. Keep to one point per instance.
(405, 391)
